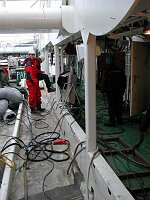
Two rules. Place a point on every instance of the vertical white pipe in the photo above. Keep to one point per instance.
(48, 3)
(46, 61)
(90, 92)
(61, 60)
(4, 3)
(57, 70)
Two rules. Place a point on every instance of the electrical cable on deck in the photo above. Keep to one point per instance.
(76, 154)
(25, 179)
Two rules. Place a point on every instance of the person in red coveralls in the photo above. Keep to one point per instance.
(33, 83)
(42, 76)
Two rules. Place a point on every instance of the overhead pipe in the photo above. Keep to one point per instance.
(82, 15)
(30, 19)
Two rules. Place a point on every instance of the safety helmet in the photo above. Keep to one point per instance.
(31, 52)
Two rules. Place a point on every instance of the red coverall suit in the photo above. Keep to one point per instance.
(32, 83)
(43, 76)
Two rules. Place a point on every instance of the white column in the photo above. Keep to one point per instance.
(48, 3)
(90, 92)
(57, 70)
(61, 60)
(46, 63)
(4, 3)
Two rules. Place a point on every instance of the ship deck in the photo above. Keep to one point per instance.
(44, 178)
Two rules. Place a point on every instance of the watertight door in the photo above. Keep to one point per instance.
(140, 78)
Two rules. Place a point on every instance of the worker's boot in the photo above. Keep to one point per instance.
(33, 111)
(51, 89)
(39, 108)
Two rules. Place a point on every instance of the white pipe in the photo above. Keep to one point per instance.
(90, 92)
(31, 18)
(46, 62)
(57, 71)
(61, 60)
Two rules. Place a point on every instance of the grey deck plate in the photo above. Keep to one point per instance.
(69, 192)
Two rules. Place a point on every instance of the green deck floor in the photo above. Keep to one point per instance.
(132, 169)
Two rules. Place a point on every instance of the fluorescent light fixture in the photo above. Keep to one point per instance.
(146, 30)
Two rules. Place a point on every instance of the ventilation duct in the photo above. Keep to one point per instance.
(13, 106)
(3, 106)
(11, 94)
(30, 19)
(9, 115)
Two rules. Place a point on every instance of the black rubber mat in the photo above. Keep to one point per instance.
(70, 192)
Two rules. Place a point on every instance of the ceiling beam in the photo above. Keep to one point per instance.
(143, 14)
(132, 32)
